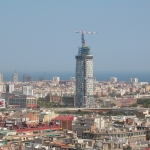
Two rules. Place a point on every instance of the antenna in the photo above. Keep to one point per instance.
(82, 35)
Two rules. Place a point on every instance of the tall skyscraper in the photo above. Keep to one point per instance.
(84, 77)
(1, 78)
(27, 78)
(15, 77)
(24, 78)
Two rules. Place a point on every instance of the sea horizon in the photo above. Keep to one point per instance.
(143, 76)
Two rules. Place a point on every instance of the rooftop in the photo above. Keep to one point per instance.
(64, 118)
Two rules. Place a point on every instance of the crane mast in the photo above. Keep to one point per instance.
(82, 35)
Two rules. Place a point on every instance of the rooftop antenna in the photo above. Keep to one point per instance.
(82, 35)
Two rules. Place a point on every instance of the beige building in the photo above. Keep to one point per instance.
(31, 101)
(47, 116)
(147, 88)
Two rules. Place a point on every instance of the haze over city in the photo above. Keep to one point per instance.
(37, 36)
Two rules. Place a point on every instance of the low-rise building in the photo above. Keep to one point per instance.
(46, 116)
(22, 101)
(64, 121)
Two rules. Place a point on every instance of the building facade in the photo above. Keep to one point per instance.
(134, 80)
(9, 88)
(24, 78)
(1, 78)
(84, 77)
(15, 77)
(113, 80)
(27, 78)
(22, 101)
(26, 90)
(31, 101)
(56, 79)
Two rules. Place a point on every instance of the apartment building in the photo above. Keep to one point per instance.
(27, 90)
(1, 78)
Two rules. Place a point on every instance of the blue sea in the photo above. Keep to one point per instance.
(100, 76)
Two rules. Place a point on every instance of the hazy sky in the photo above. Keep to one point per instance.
(40, 35)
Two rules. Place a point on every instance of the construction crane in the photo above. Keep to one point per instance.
(82, 35)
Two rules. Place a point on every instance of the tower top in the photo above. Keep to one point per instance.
(82, 36)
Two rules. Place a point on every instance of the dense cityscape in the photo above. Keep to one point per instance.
(42, 115)
(74, 75)
(80, 113)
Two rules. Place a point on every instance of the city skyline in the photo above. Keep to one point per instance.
(41, 35)
(104, 76)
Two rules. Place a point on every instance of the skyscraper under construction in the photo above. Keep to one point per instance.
(84, 76)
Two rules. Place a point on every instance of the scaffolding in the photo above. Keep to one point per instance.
(84, 51)
(84, 78)
(84, 75)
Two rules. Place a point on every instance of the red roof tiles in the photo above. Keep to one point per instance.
(64, 118)
(39, 129)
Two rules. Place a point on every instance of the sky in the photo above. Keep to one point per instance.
(40, 35)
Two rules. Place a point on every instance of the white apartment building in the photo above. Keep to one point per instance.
(72, 79)
(143, 83)
(9, 88)
(1, 78)
(26, 90)
(134, 80)
(2, 86)
(100, 122)
(15, 77)
(56, 79)
(113, 80)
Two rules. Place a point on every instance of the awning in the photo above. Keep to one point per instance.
(48, 130)
(52, 135)
(57, 134)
